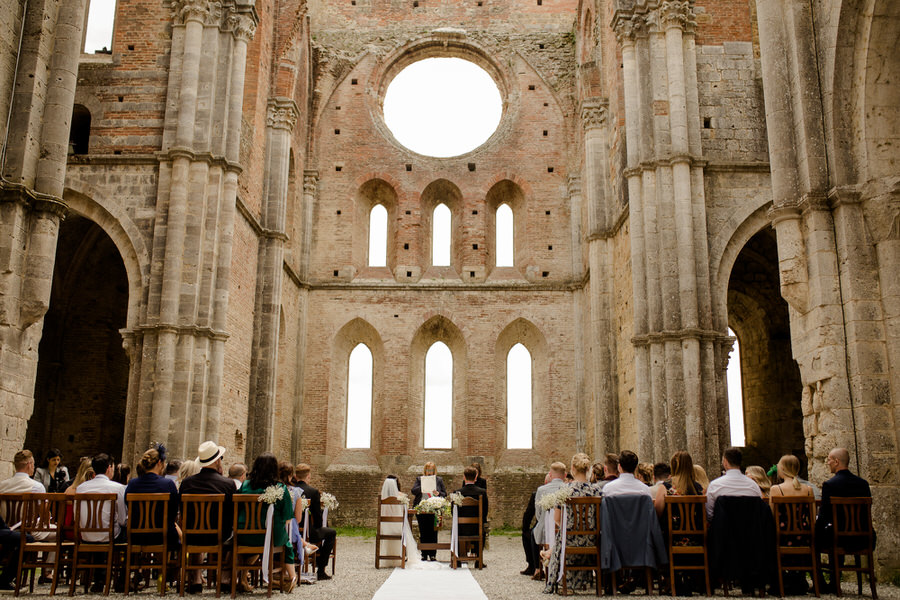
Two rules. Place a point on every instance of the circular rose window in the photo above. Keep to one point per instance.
(442, 106)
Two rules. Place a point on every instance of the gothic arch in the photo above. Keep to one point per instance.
(441, 191)
(437, 329)
(508, 192)
(356, 331)
(372, 192)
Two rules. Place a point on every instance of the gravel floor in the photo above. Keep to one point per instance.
(357, 578)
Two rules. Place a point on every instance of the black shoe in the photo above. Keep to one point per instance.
(322, 576)
(7, 586)
(529, 571)
(97, 588)
(195, 588)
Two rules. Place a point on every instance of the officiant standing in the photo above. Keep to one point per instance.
(428, 484)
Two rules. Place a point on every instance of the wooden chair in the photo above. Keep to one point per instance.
(611, 545)
(795, 518)
(852, 535)
(40, 519)
(201, 528)
(464, 541)
(11, 507)
(391, 521)
(687, 527)
(89, 522)
(254, 524)
(584, 523)
(148, 534)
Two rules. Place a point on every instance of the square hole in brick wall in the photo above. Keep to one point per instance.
(409, 273)
(474, 246)
(338, 168)
(546, 104)
(406, 246)
(545, 133)
(480, 4)
(117, 152)
(338, 212)
(541, 46)
(337, 132)
(547, 212)
(545, 274)
(336, 272)
(549, 169)
(471, 273)
(531, 88)
(121, 98)
(409, 167)
(353, 82)
(415, 3)
(352, 2)
(409, 212)
(549, 247)
(540, 2)
(707, 122)
(474, 212)
(471, 166)
(131, 46)
(337, 108)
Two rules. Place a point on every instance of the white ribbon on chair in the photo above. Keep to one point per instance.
(325, 517)
(454, 533)
(406, 533)
(549, 530)
(304, 537)
(267, 551)
(562, 542)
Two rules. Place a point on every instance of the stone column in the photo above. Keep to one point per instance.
(31, 204)
(282, 116)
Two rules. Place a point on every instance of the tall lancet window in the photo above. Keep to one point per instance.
(101, 20)
(518, 397)
(359, 398)
(378, 236)
(504, 239)
(438, 396)
(440, 236)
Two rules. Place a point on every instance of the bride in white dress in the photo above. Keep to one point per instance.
(392, 547)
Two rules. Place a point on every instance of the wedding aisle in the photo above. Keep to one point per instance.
(435, 581)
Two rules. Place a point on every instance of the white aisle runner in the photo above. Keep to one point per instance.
(434, 581)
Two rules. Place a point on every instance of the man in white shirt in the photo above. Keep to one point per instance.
(626, 483)
(21, 482)
(732, 483)
(104, 467)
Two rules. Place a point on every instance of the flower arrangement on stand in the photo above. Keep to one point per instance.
(437, 506)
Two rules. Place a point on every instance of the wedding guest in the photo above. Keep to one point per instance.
(576, 580)
(391, 489)
(788, 471)
(471, 490)
(188, 468)
(684, 475)
(610, 469)
(265, 474)
(843, 484)
(103, 466)
(527, 539)
(85, 473)
(758, 474)
(153, 481)
(21, 482)
(644, 473)
(238, 474)
(556, 478)
(732, 483)
(9, 556)
(172, 470)
(427, 532)
(122, 474)
(479, 481)
(626, 483)
(701, 477)
(52, 475)
(321, 536)
(597, 474)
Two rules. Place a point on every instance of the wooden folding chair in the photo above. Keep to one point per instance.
(40, 519)
(585, 522)
(250, 520)
(687, 527)
(464, 541)
(391, 520)
(795, 536)
(89, 523)
(852, 535)
(201, 528)
(148, 534)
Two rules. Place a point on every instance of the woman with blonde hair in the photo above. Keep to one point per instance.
(789, 471)
(684, 481)
(188, 468)
(701, 477)
(758, 474)
(580, 486)
(428, 484)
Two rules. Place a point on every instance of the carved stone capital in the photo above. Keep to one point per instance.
(310, 182)
(627, 27)
(593, 114)
(282, 114)
(242, 26)
(677, 13)
(207, 12)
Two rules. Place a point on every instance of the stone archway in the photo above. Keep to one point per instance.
(771, 386)
(81, 385)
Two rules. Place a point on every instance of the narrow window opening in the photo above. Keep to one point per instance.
(335, 272)
(518, 398)
(359, 398)
(80, 133)
(440, 236)
(438, 396)
(98, 34)
(378, 236)
(735, 394)
(409, 167)
(505, 229)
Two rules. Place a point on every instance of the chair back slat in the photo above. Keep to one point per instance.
(852, 517)
(201, 514)
(686, 515)
(585, 518)
(40, 514)
(11, 507)
(254, 513)
(794, 516)
(89, 514)
(391, 501)
(468, 501)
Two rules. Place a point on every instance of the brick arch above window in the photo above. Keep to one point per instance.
(370, 194)
(441, 191)
(511, 194)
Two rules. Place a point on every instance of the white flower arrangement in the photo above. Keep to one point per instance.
(434, 505)
(304, 503)
(455, 498)
(271, 495)
(329, 501)
(555, 499)
(404, 498)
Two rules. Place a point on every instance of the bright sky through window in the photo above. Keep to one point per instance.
(735, 394)
(440, 236)
(378, 236)
(359, 398)
(101, 16)
(504, 236)
(518, 397)
(438, 396)
(442, 106)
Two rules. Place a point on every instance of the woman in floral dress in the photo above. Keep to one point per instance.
(580, 486)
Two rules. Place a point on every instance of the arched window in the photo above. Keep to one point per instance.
(359, 398)
(98, 34)
(440, 236)
(735, 394)
(378, 236)
(438, 396)
(518, 397)
(504, 236)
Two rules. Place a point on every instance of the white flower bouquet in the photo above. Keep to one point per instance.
(434, 505)
(455, 498)
(404, 498)
(271, 495)
(329, 501)
(304, 503)
(555, 499)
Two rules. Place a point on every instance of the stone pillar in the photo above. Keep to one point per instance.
(31, 204)
(282, 116)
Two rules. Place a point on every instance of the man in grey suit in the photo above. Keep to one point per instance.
(557, 477)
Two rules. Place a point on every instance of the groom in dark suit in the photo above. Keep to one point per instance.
(321, 536)
(473, 491)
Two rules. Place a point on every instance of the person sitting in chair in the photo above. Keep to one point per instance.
(470, 490)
